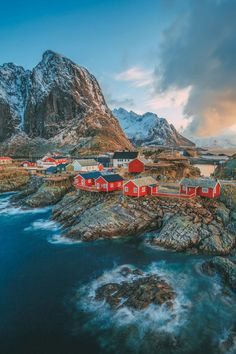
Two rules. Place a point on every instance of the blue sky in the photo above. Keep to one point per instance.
(127, 44)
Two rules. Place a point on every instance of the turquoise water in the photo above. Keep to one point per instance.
(47, 290)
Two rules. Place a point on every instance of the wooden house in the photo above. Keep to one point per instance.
(5, 160)
(108, 183)
(137, 165)
(85, 165)
(122, 158)
(86, 179)
(140, 187)
(202, 187)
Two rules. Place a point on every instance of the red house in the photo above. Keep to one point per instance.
(28, 164)
(86, 179)
(4, 160)
(137, 165)
(109, 183)
(202, 187)
(140, 187)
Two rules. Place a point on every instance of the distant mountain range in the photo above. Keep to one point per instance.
(57, 103)
(149, 130)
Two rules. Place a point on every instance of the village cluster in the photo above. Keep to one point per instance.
(101, 174)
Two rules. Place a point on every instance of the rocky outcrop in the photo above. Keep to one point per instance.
(37, 193)
(136, 291)
(181, 225)
(183, 233)
(58, 101)
(12, 180)
(225, 267)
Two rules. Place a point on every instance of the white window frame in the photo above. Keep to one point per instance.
(126, 189)
(135, 190)
(205, 190)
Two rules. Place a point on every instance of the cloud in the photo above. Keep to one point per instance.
(136, 76)
(169, 99)
(198, 50)
(119, 102)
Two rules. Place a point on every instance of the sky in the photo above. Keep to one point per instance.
(176, 58)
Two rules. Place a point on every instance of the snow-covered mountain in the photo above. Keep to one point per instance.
(149, 130)
(58, 101)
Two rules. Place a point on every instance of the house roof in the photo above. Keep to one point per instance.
(112, 177)
(52, 168)
(144, 181)
(89, 175)
(199, 182)
(142, 159)
(62, 165)
(125, 155)
(5, 158)
(86, 162)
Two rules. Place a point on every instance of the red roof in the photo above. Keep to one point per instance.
(4, 158)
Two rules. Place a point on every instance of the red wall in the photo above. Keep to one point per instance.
(189, 190)
(110, 186)
(136, 166)
(87, 182)
(217, 190)
(153, 190)
(140, 193)
(209, 194)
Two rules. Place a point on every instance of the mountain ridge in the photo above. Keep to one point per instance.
(149, 130)
(60, 102)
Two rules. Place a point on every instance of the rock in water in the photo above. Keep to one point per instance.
(223, 266)
(57, 101)
(138, 292)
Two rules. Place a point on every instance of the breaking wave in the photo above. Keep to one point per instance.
(135, 326)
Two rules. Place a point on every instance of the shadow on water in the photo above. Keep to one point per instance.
(43, 276)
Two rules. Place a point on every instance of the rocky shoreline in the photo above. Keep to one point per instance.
(198, 225)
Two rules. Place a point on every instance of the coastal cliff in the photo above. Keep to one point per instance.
(183, 225)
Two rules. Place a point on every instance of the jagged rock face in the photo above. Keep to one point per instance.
(58, 100)
(149, 130)
(13, 93)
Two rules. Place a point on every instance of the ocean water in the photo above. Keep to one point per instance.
(47, 288)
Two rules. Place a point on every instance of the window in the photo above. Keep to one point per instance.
(183, 188)
(204, 190)
(112, 185)
(143, 189)
(104, 185)
(89, 180)
(126, 189)
(135, 190)
(119, 184)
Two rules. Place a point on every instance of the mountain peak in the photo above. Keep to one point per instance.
(149, 129)
(49, 55)
(58, 101)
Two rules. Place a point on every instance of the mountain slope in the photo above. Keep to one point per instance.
(57, 101)
(149, 130)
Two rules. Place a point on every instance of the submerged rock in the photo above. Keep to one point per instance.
(138, 292)
(225, 267)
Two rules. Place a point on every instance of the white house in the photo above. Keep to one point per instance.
(85, 165)
(122, 158)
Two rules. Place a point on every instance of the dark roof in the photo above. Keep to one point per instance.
(199, 182)
(112, 177)
(89, 175)
(62, 165)
(125, 155)
(51, 168)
